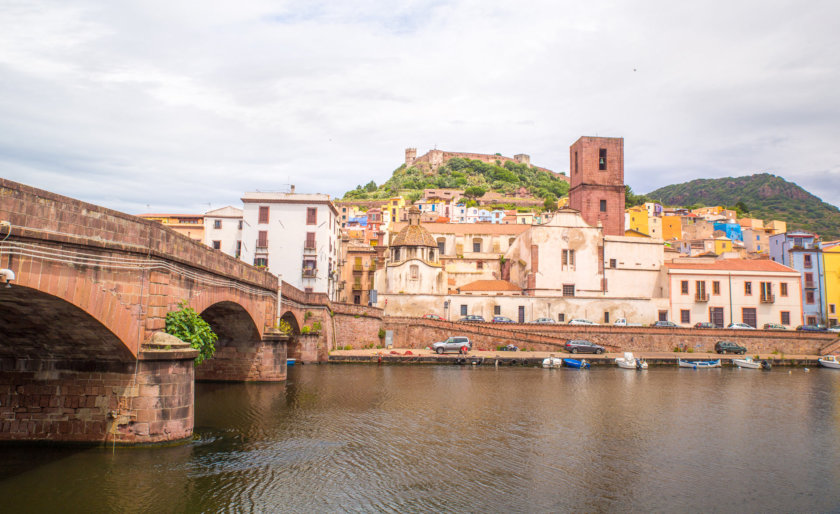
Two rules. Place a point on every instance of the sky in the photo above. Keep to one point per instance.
(180, 107)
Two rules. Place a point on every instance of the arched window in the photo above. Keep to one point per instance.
(432, 255)
(396, 254)
(441, 245)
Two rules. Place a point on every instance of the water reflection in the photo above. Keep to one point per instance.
(409, 439)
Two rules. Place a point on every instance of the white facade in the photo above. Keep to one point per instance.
(295, 236)
(223, 230)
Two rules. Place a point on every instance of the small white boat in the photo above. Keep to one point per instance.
(552, 362)
(747, 362)
(829, 361)
(698, 364)
(630, 362)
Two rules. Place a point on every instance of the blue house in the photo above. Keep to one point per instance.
(730, 229)
(800, 251)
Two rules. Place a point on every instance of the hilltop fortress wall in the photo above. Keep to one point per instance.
(434, 159)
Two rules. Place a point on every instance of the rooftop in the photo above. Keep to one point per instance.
(489, 285)
(733, 265)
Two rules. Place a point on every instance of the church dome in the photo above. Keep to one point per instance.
(413, 234)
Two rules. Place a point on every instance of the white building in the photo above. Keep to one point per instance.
(295, 236)
(223, 230)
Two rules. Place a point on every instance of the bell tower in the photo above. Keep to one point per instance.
(596, 169)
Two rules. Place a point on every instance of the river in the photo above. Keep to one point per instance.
(365, 438)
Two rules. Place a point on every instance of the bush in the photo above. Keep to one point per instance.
(188, 326)
(305, 330)
(316, 326)
(381, 333)
(676, 349)
(284, 327)
(348, 347)
(690, 350)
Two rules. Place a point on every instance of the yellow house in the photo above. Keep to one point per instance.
(190, 225)
(638, 219)
(776, 227)
(395, 207)
(563, 202)
(831, 265)
(671, 227)
(723, 245)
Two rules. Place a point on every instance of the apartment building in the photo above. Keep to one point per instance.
(223, 230)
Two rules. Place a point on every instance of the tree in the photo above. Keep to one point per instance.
(474, 191)
(188, 326)
(742, 207)
(370, 187)
(550, 203)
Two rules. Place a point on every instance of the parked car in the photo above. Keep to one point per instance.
(578, 321)
(704, 324)
(811, 328)
(509, 348)
(501, 319)
(665, 324)
(739, 326)
(774, 326)
(431, 316)
(583, 346)
(622, 322)
(544, 321)
(453, 344)
(729, 347)
(834, 329)
(472, 318)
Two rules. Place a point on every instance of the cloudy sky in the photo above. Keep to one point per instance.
(162, 106)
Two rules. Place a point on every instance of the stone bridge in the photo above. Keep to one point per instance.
(92, 287)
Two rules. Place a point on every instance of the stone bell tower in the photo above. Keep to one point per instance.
(597, 182)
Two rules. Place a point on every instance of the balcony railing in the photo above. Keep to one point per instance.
(308, 273)
(357, 286)
(262, 244)
(701, 297)
(768, 298)
(357, 267)
(809, 284)
(309, 249)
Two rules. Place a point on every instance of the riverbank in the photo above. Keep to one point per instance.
(527, 358)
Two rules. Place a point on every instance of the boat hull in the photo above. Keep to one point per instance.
(574, 363)
(552, 362)
(747, 363)
(699, 364)
(829, 363)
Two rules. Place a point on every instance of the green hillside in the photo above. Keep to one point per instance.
(473, 176)
(763, 196)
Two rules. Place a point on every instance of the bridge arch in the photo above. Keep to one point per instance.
(293, 348)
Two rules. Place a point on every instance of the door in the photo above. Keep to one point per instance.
(716, 316)
(748, 316)
(522, 314)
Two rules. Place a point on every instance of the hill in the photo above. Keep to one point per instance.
(765, 196)
(473, 176)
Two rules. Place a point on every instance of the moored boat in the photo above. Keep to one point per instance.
(552, 362)
(698, 364)
(574, 363)
(630, 362)
(747, 362)
(290, 362)
(829, 361)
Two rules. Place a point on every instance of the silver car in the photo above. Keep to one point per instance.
(458, 344)
(581, 322)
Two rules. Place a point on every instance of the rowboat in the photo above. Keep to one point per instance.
(552, 362)
(699, 364)
(290, 362)
(630, 362)
(829, 361)
(574, 363)
(750, 363)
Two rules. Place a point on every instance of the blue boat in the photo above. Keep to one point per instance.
(698, 364)
(290, 362)
(574, 363)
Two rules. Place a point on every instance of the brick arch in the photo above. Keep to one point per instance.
(231, 322)
(251, 306)
(38, 325)
(290, 318)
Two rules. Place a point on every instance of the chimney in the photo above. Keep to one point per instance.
(292, 189)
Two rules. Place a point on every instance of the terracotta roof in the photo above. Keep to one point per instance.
(489, 285)
(413, 235)
(469, 228)
(733, 265)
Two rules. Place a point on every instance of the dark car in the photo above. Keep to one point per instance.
(811, 328)
(501, 319)
(472, 318)
(704, 324)
(665, 324)
(729, 347)
(583, 346)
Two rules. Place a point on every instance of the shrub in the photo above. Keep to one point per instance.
(381, 333)
(188, 326)
(305, 330)
(307, 315)
(690, 350)
(284, 327)
(316, 326)
(676, 349)
(348, 347)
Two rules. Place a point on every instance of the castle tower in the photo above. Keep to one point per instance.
(597, 182)
(410, 156)
(523, 158)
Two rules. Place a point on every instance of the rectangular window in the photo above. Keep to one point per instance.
(748, 316)
(568, 289)
(441, 247)
(217, 223)
(603, 206)
(217, 245)
(685, 316)
(785, 318)
(463, 310)
(807, 260)
(700, 289)
(663, 315)
(766, 291)
(307, 290)
(357, 299)
(262, 239)
(497, 310)
(612, 263)
(238, 249)
(576, 162)
(568, 259)
(716, 287)
(606, 317)
(716, 316)
(809, 297)
(684, 287)
(311, 215)
(310, 241)
(261, 261)
(521, 313)
(602, 159)
(561, 317)
(477, 246)
(783, 289)
(831, 308)
(240, 224)
(809, 280)
(263, 214)
(479, 265)
(747, 288)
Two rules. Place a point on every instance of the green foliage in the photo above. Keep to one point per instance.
(370, 187)
(690, 349)
(316, 326)
(187, 325)
(550, 203)
(307, 315)
(769, 197)
(284, 327)
(381, 333)
(632, 200)
(305, 329)
(412, 197)
(474, 191)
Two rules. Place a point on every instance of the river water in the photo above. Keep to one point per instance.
(364, 438)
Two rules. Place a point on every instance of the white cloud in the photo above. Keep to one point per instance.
(176, 105)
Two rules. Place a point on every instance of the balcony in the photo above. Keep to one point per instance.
(768, 298)
(309, 249)
(357, 286)
(309, 273)
(701, 297)
(262, 244)
(810, 284)
(358, 267)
